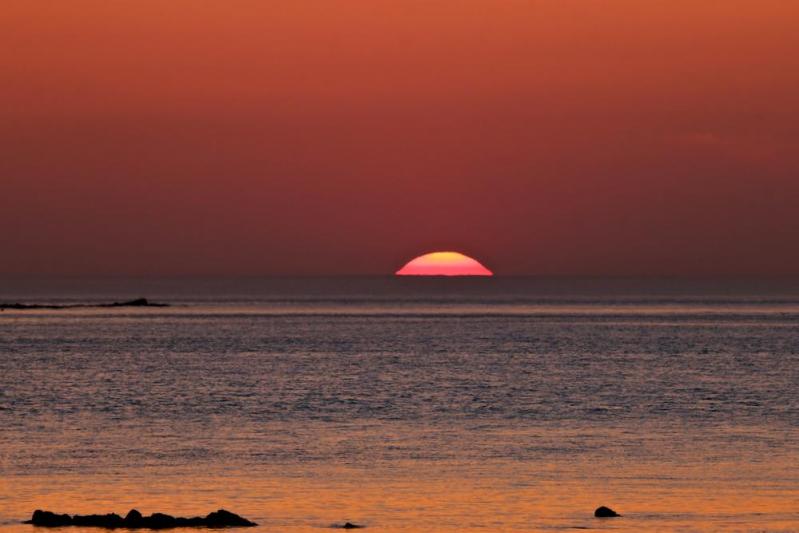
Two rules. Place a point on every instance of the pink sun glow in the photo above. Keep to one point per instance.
(444, 264)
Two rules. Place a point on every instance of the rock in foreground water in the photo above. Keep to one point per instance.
(49, 519)
(135, 520)
(605, 512)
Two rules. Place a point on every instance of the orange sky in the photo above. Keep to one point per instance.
(347, 136)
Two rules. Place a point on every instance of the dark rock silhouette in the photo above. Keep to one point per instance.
(135, 520)
(222, 518)
(349, 525)
(49, 519)
(605, 512)
(111, 520)
(160, 521)
(138, 302)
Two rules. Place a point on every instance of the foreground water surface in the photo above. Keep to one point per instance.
(406, 405)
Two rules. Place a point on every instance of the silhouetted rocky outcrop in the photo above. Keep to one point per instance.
(135, 520)
(222, 518)
(605, 512)
(49, 519)
(111, 520)
(348, 525)
(138, 302)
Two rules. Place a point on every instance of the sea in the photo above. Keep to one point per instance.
(405, 404)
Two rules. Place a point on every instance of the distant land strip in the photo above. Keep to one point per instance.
(138, 302)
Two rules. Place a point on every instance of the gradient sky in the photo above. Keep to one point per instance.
(347, 136)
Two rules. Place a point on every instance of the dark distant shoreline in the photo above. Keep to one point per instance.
(139, 302)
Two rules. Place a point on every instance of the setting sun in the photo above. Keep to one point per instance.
(444, 264)
(250, 250)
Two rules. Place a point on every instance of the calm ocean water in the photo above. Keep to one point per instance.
(406, 404)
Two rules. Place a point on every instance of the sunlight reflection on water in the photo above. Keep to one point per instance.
(408, 417)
